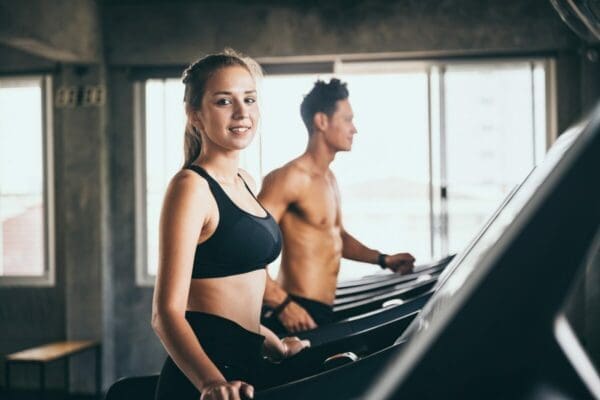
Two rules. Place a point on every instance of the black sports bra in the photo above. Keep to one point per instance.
(242, 242)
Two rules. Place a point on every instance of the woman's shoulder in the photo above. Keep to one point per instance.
(188, 183)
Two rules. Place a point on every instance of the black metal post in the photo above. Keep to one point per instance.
(67, 380)
(98, 354)
(42, 380)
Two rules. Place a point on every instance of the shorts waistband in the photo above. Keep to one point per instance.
(210, 322)
(315, 303)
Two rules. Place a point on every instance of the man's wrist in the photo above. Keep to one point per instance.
(274, 294)
(381, 260)
(279, 308)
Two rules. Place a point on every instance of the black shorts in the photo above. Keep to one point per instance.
(235, 351)
(321, 313)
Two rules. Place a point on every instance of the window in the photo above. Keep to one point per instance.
(26, 201)
(438, 147)
(494, 133)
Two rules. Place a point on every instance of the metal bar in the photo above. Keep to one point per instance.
(533, 113)
(7, 376)
(443, 166)
(42, 380)
(66, 377)
(430, 165)
(98, 357)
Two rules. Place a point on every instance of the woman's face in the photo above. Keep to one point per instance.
(228, 116)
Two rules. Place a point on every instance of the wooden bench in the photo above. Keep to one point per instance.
(45, 354)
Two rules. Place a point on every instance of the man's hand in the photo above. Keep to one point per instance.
(295, 318)
(234, 390)
(402, 263)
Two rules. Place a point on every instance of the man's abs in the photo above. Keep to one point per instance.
(310, 261)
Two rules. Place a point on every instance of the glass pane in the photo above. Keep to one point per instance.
(490, 141)
(21, 194)
(165, 123)
(384, 179)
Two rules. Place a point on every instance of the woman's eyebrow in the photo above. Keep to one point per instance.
(229, 93)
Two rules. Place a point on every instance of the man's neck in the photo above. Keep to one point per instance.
(320, 154)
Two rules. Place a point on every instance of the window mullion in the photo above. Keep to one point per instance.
(443, 192)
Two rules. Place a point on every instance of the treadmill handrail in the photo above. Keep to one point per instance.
(365, 322)
(385, 296)
(372, 293)
(393, 280)
(384, 277)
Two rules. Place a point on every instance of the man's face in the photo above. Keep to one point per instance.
(340, 127)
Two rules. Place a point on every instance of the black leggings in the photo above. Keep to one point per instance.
(235, 351)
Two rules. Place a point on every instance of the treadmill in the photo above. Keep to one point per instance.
(494, 328)
(400, 289)
(360, 304)
(388, 278)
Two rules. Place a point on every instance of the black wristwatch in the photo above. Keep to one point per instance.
(381, 260)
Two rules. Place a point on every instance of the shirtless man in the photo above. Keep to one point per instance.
(304, 199)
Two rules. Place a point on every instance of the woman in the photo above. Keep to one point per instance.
(215, 241)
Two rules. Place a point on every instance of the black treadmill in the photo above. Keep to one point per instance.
(384, 279)
(356, 337)
(373, 301)
(494, 327)
(385, 296)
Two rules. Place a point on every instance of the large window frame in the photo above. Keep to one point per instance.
(438, 212)
(47, 278)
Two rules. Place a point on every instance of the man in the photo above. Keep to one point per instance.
(303, 197)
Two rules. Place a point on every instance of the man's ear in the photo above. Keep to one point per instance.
(320, 121)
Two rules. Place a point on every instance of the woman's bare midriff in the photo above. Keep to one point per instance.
(236, 297)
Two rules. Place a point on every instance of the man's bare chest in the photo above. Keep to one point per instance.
(319, 204)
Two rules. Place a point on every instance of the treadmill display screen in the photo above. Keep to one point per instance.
(466, 270)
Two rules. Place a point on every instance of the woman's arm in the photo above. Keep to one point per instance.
(276, 349)
(185, 211)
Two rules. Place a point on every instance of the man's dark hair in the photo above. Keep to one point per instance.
(322, 98)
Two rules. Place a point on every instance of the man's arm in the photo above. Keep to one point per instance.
(352, 249)
(280, 190)
(355, 250)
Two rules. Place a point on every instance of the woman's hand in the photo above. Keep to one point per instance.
(293, 345)
(234, 390)
(287, 347)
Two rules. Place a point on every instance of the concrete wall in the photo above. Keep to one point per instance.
(62, 30)
(177, 33)
(96, 295)
(14, 61)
